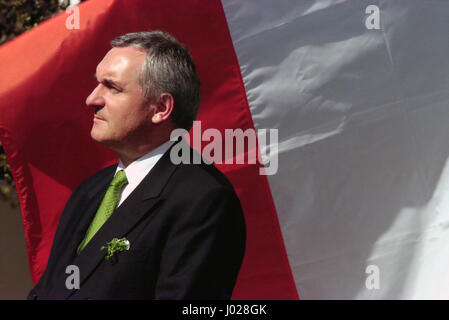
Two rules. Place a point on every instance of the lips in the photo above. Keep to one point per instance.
(99, 118)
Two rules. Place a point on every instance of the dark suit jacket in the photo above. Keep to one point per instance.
(186, 229)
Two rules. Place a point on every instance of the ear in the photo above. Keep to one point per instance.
(164, 108)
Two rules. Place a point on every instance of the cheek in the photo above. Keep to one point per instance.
(126, 116)
(124, 125)
(136, 118)
(116, 118)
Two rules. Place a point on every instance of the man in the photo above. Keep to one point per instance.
(146, 228)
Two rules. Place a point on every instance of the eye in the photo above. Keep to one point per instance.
(114, 90)
(111, 88)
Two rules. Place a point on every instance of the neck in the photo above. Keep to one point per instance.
(128, 157)
(128, 153)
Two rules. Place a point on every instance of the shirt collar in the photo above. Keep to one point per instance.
(138, 169)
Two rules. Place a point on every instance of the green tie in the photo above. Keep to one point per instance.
(107, 206)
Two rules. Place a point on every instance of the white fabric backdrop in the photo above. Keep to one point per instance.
(363, 119)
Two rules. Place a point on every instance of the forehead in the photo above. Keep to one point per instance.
(120, 62)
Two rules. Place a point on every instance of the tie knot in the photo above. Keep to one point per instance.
(119, 179)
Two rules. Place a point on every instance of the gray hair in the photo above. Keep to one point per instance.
(168, 68)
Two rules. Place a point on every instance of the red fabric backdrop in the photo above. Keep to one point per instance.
(45, 76)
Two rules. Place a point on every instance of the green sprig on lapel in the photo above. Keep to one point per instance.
(115, 245)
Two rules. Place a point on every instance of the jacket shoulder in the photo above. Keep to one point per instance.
(200, 177)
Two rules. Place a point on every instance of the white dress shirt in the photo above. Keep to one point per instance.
(137, 170)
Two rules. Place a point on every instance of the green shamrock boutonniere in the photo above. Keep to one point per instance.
(115, 245)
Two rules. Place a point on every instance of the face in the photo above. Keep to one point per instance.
(122, 116)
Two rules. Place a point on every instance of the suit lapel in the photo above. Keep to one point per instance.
(133, 210)
(89, 207)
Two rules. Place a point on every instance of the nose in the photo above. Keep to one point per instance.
(95, 99)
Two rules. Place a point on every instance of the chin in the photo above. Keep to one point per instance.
(97, 136)
(104, 140)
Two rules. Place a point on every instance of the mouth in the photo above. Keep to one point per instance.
(99, 118)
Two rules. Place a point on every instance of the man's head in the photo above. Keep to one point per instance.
(147, 81)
